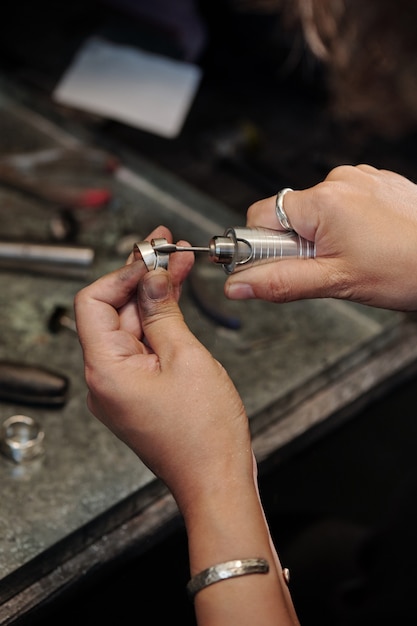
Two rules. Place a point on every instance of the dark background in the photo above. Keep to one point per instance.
(260, 121)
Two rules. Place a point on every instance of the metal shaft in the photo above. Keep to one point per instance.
(45, 253)
(168, 248)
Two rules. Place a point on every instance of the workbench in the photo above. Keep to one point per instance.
(300, 367)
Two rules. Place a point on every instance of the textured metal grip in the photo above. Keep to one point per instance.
(253, 246)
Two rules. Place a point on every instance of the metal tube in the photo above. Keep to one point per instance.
(44, 253)
(240, 248)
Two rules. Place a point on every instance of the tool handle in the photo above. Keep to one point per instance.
(240, 248)
(28, 384)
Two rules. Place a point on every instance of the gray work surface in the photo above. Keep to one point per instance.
(87, 482)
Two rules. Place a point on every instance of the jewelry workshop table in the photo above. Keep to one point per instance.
(88, 499)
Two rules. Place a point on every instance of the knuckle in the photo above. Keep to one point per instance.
(323, 195)
(340, 172)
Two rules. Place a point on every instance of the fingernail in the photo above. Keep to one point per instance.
(156, 285)
(239, 291)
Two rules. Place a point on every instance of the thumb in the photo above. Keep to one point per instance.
(285, 281)
(162, 320)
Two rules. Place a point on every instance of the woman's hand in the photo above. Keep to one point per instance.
(364, 224)
(154, 384)
(160, 391)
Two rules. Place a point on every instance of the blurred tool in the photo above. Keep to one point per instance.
(69, 196)
(64, 226)
(236, 250)
(50, 259)
(18, 171)
(99, 159)
(21, 438)
(235, 148)
(30, 384)
(60, 320)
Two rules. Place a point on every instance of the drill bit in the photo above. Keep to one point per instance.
(168, 248)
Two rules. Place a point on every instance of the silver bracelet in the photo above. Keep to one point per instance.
(222, 571)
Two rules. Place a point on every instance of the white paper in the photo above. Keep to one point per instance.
(132, 86)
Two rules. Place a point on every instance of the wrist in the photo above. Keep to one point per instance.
(233, 525)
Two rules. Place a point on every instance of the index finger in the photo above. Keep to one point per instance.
(262, 213)
(96, 306)
(300, 208)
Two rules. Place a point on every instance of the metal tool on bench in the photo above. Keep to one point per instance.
(237, 249)
(50, 259)
(23, 383)
(19, 171)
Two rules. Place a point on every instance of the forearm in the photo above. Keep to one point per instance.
(227, 526)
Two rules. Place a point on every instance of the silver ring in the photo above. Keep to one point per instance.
(144, 251)
(21, 438)
(279, 208)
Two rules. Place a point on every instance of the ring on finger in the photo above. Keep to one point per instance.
(279, 208)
